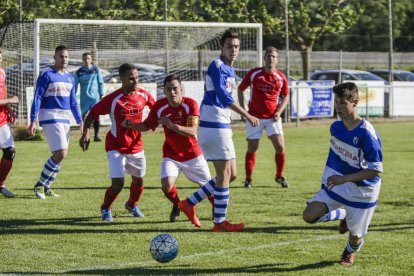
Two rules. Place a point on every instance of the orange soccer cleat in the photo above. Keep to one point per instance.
(226, 226)
(190, 212)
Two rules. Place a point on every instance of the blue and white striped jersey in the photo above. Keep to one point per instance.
(352, 151)
(55, 98)
(218, 89)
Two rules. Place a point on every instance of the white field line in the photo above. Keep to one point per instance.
(204, 254)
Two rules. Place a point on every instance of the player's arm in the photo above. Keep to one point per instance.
(101, 89)
(189, 130)
(41, 86)
(335, 180)
(135, 126)
(242, 87)
(239, 110)
(283, 104)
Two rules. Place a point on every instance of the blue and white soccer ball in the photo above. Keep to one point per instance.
(164, 248)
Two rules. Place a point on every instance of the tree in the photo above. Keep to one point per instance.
(310, 19)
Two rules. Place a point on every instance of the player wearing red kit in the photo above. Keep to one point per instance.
(266, 85)
(124, 146)
(6, 135)
(179, 117)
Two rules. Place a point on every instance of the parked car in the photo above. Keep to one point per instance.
(398, 75)
(345, 75)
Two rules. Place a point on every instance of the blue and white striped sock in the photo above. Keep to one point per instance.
(337, 214)
(221, 201)
(49, 173)
(350, 248)
(202, 193)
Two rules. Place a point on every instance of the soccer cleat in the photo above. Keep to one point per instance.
(6, 192)
(226, 226)
(282, 181)
(106, 214)
(190, 212)
(39, 192)
(343, 227)
(51, 193)
(247, 184)
(347, 259)
(97, 139)
(134, 211)
(175, 213)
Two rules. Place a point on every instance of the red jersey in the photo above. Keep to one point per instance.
(3, 96)
(176, 146)
(265, 90)
(121, 107)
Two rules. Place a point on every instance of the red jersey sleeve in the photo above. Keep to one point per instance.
(285, 87)
(246, 81)
(104, 106)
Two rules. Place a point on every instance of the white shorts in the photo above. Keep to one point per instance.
(196, 169)
(133, 164)
(6, 137)
(216, 143)
(57, 136)
(272, 127)
(357, 219)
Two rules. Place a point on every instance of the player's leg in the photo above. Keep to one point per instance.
(96, 126)
(253, 135)
(6, 162)
(322, 208)
(357, 220)
(170, 170)
(57, 136)
(274, 131)
(135, 165)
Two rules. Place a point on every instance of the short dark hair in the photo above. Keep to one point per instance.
(228, 34)
(270, 49)
(125, 67)
(346, 90)
(171, 78)
(86, 54)
(60, 48)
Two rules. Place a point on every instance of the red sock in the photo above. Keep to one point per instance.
(135, 192)
(5, 167)
(172, 195)
(250, 161)
(280, 159)
(110, 197)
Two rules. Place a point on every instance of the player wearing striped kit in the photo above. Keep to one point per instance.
(123, 146)
(215, 134)
(267, 84)
(179, 117)
(352, 174)
(54, 101)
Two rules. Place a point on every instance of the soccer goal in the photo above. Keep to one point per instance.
(157, 48)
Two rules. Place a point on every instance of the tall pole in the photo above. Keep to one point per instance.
(390, 62)
(286, 117)
(20, 106)
(167, 54)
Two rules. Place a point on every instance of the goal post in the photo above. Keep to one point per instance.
(158, 48)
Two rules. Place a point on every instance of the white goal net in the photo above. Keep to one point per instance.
(157, 48)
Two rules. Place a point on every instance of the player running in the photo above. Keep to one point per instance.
(54, 100)
(215, 134)
(123, 146)
(266, 85)
(179, 117)
(352, 174)
(6, 136)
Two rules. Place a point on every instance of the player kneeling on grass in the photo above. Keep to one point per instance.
(123, 146)
(352, 174)
(179, 117)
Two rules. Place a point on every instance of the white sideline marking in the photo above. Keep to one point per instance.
(219, 252)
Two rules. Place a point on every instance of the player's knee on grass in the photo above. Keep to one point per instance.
(9, 153)
(314, 211)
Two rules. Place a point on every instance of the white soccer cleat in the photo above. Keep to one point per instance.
(39, 192)
(6, 192)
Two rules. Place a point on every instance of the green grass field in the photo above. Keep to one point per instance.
(66, 234)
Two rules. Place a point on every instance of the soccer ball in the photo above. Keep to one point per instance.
(164, 248)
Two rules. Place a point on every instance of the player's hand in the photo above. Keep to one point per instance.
(276, 117)
(126, 123)
(335, 180)
(254, 122)
(32, 128)
(13, 100)
(166, 122)
(84, 142)
(11, 116)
